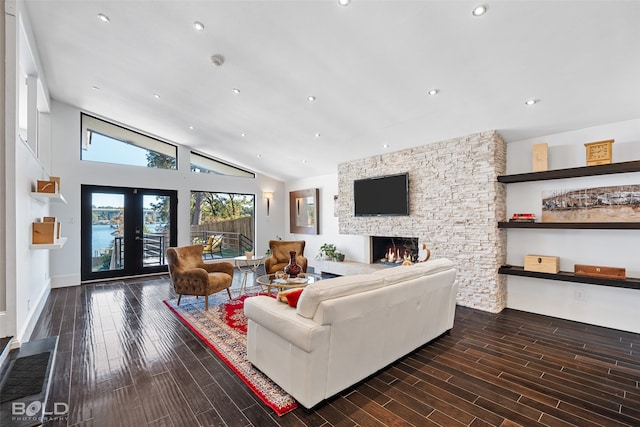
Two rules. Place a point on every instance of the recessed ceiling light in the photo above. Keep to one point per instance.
(104, 18)
(385, 146)
(317, 135)
(191, 127)
(258, 155)
(344, 2)
(156, 96)
(236, 90)
(243, 134)
(304, 161)
(531, 101)
(96, 88)
(479, 10)
(311, 98)
(433, 92)
(198, 26)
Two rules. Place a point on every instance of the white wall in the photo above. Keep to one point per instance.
(599, 305)
(355, 248)
(25, 278)
(73, 172)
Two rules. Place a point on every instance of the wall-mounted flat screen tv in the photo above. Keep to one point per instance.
(382, 196)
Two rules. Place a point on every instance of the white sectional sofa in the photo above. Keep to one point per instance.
(347, 328)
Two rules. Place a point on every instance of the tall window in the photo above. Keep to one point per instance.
(109, 143)
(223, 222)
(204, 164)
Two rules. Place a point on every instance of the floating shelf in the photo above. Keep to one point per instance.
(608, 169)
(54, 197)
(573, 225)
(565, 276)
(57, 245)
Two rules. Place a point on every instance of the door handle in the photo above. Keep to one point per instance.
(138, 238)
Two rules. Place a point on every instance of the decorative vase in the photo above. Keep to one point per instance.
(293, 268)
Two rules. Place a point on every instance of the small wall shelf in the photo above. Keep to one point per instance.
(565, 276)
(608, 169)
(57, 245)
(54, 197)
(573, 225)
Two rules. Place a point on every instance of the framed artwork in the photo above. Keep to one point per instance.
(619, 203)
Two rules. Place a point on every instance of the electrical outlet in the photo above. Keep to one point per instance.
(580, 295)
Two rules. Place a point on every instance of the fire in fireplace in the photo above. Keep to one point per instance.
(394, 250)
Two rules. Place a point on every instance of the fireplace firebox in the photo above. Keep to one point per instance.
(393, 250)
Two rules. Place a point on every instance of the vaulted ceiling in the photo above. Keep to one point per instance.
(369, 66)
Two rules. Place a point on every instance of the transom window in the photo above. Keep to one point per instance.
(109, 143)
(204, 164)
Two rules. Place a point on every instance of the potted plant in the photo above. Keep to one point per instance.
(327, 251)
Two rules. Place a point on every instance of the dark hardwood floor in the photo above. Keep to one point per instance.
(124, 359)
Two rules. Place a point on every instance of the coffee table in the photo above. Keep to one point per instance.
(303, 279)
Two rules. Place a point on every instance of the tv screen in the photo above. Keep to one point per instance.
(383, 195)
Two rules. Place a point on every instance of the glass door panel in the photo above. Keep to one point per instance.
(107, 232)
(156, 229)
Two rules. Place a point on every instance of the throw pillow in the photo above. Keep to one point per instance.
(283, 296)
(294, 296)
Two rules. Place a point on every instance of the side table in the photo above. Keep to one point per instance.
(247, 265)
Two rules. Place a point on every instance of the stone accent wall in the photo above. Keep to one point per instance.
(455, 205)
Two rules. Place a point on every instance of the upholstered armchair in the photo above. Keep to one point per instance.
(191, 276)
(280, 255)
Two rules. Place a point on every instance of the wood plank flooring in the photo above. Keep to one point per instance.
(125, 360)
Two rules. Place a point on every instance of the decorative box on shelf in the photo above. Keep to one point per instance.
(540, 162)
(47, 187)
(599, 271)
(542, 263)
(44, 233)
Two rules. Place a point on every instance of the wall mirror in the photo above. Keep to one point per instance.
(303, 211)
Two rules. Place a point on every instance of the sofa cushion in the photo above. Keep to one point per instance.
(337, 287)
(405, 272)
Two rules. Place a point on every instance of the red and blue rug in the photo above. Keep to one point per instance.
(224, 329)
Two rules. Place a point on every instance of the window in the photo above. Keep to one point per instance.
(109, 143)
(223, 222)
(203, 164)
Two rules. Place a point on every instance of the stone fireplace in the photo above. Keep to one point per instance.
(393, 250)
(455, 203)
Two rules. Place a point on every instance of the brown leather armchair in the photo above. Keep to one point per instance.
(280, 255)
(191, 276)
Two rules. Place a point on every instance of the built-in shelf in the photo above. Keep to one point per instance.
(57, 245)
(565, 276)
(54, 197)
(573, 225)
(611, 168)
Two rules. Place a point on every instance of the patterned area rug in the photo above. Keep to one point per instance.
(224, 329)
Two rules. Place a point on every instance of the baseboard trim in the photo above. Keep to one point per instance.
(34, 315)
(65, 281)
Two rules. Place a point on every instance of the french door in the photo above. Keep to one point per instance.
(126, 231)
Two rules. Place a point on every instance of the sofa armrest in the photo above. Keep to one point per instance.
(282, 320)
